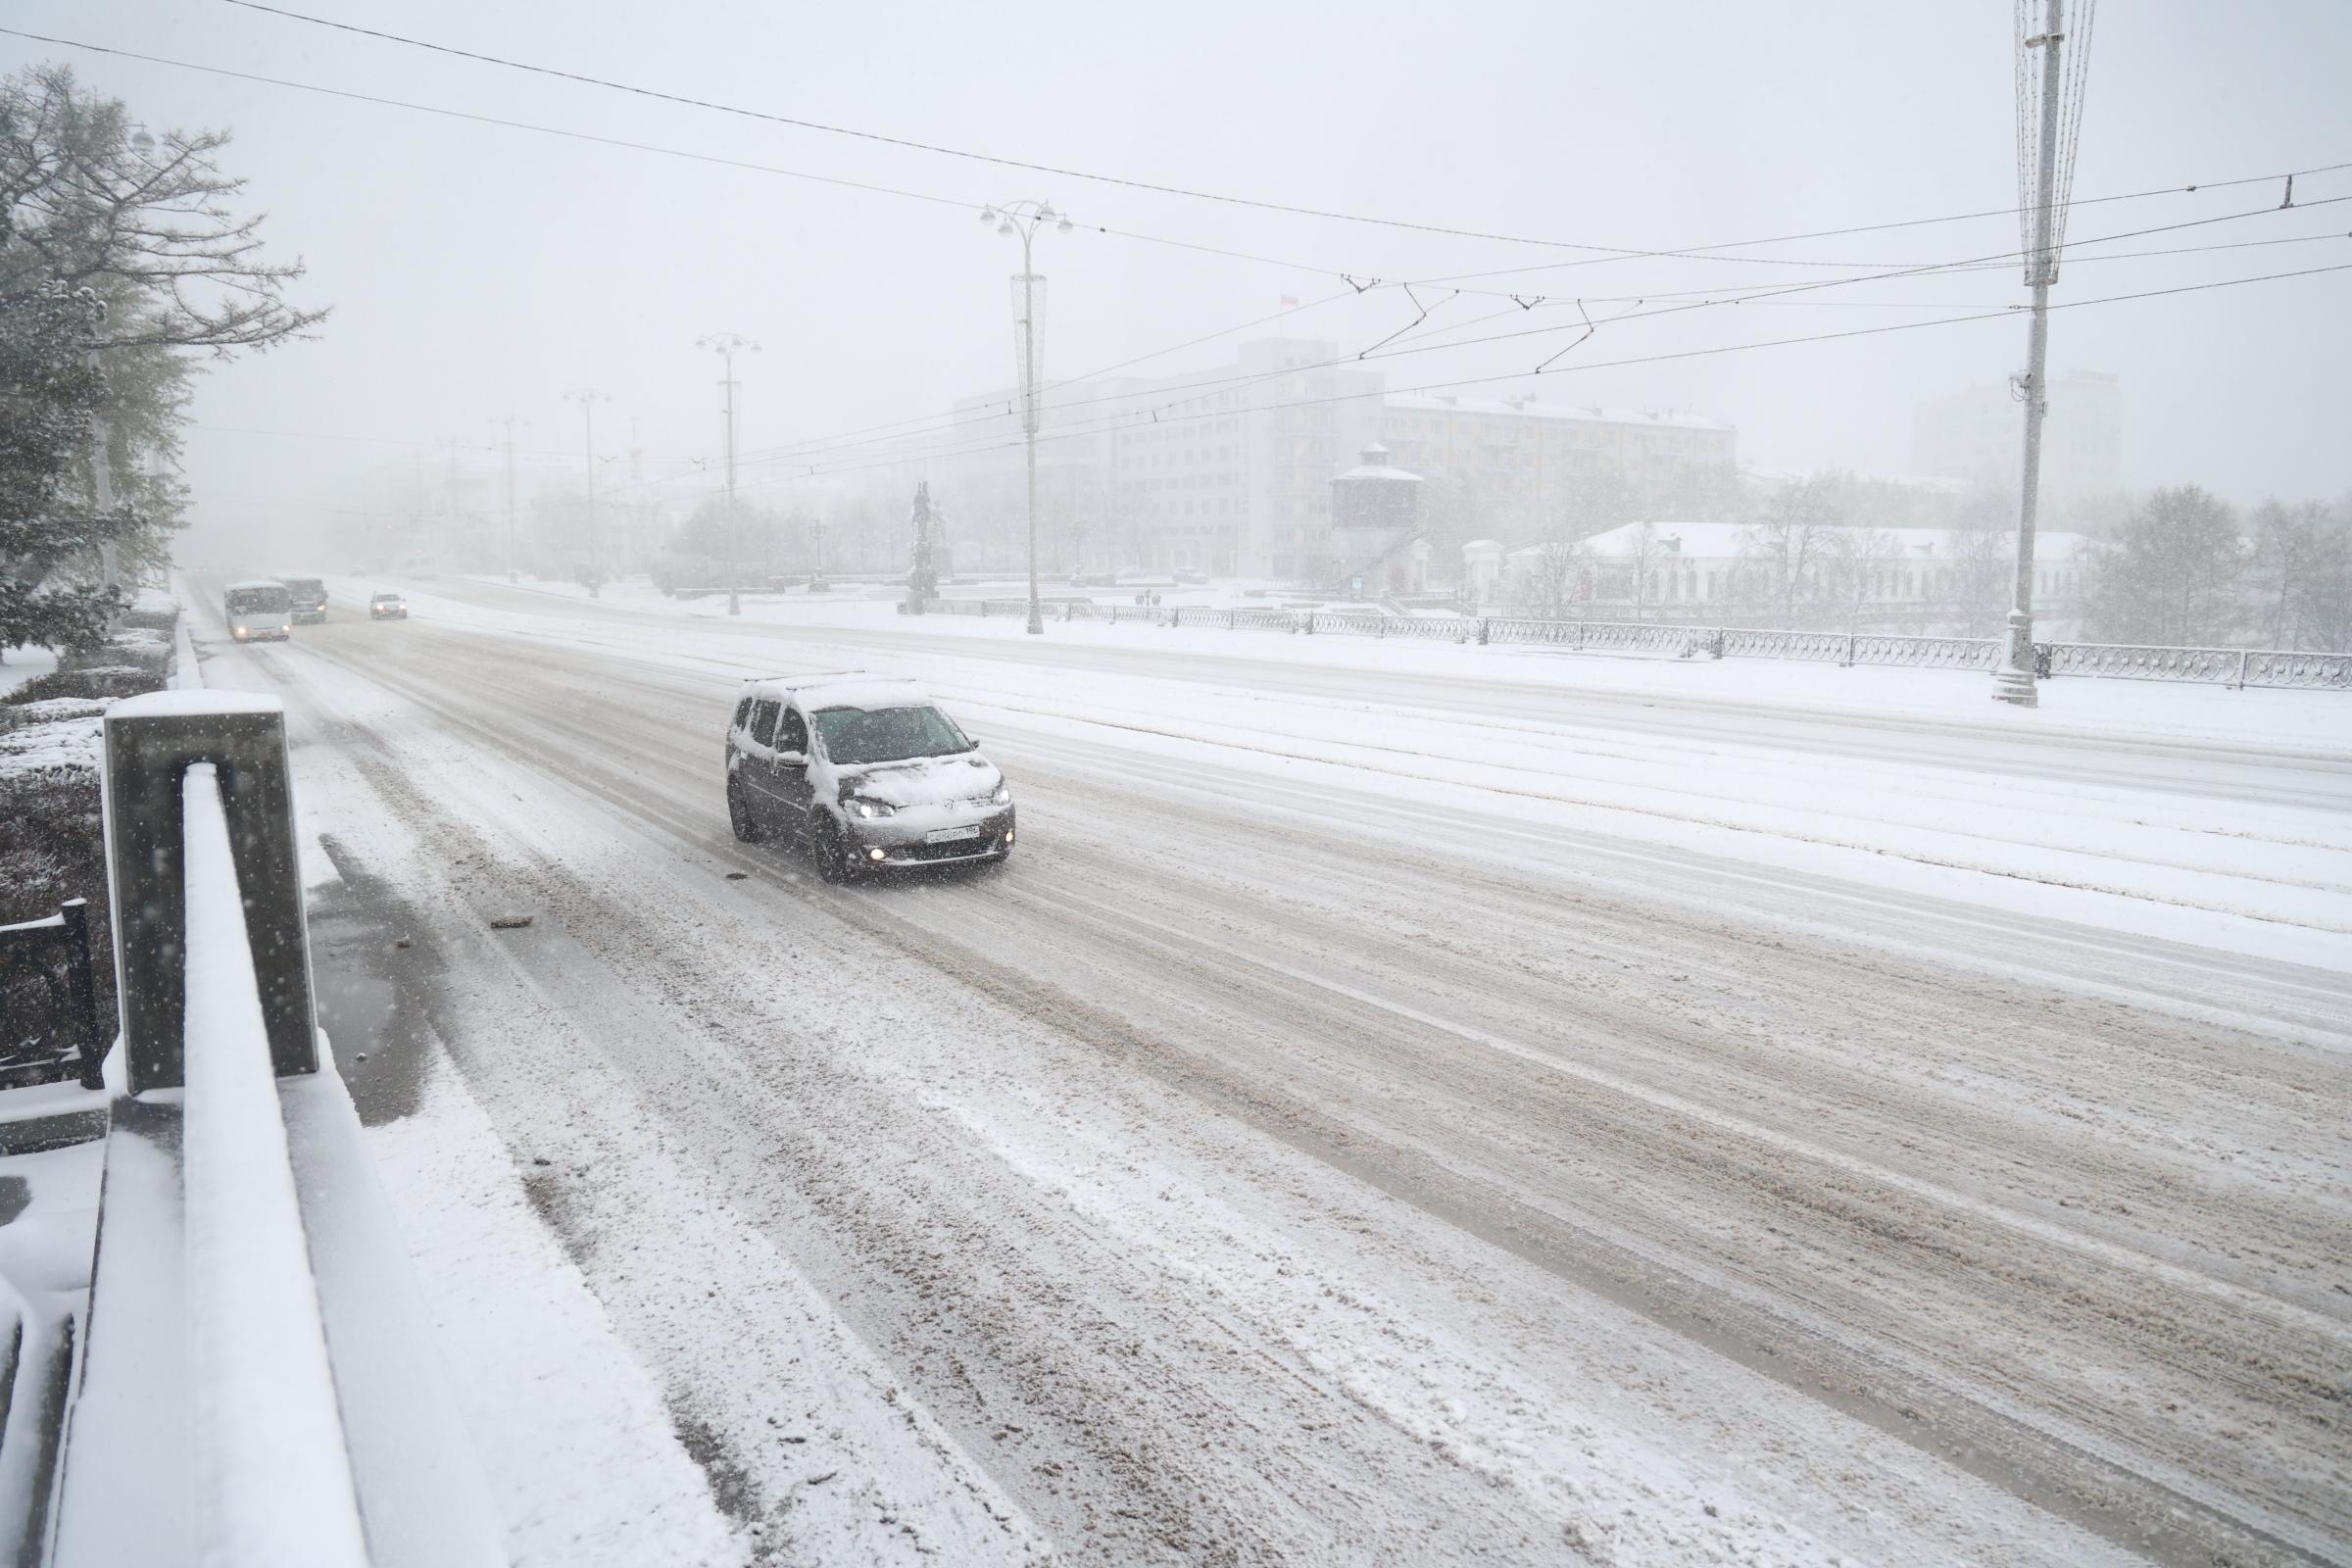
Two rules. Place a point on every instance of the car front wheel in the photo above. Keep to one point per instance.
(829, 847)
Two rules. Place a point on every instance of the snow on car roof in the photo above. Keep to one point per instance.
(794, 683)
(864, 691)
(260, 584)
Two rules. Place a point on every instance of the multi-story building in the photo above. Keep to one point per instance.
(1526, 461)
(1233, 476)
(1228, 471)
(1977, 437)
(983, 489)
(1225, 471)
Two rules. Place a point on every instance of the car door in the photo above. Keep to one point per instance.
(789, 769)
(739, 734)
(759, 757)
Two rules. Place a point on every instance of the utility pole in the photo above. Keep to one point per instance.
(588, 398)
(2060, 106)
(727, 345)
(509, 421)
(1023, 219)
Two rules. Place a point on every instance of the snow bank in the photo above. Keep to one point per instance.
(576, 1444)
(22, 664)
(62, 740)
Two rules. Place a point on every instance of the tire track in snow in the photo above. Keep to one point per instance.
(1010, 987)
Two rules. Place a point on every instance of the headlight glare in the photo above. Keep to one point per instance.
(859, 805)
(1003, 795)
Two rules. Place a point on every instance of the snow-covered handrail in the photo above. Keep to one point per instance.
(257, 1384)
(273, 1481)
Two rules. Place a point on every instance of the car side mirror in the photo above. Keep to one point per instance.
(792, 760)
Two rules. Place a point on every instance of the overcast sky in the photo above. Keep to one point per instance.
(477, 271)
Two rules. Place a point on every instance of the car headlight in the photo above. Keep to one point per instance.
(859, 805)
(1003, 795)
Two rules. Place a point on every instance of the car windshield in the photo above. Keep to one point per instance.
(256, 601)
(859, 735)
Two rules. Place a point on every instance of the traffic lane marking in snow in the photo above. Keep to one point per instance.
(2297, 1001)
(1873, 861)
(716, 842)
(1932, 847)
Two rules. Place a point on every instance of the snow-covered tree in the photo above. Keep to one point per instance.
(1552, 579)
(48, 393)
(2300, 575)
(1860, 564)
(1793, 541)
(2175, 576)
(118, 252)
(1983, 578)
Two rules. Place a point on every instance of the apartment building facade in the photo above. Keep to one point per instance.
(1977, 437)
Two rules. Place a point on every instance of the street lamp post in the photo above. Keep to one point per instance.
(1024, 218)
(588, 398)
(2058, 108)
(509, 421)
(726, 345)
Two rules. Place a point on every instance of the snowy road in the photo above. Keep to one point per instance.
(1442, 1111)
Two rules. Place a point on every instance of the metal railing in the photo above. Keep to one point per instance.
(2223, 667)
(51, 957)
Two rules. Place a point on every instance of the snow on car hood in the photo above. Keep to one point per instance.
(926, 780)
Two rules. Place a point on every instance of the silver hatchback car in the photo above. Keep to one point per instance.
(864, 775)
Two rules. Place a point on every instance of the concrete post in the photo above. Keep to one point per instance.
(151, 742)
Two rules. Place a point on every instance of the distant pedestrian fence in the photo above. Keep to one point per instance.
(2219, 667)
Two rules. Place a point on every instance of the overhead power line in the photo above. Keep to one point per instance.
(380, 101)
(1710, 251)
(800, 453)
(1594, 364)
(1126, 182)
(1516, 375)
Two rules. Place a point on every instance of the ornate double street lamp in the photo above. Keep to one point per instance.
(1025, 219)
(2049, 98)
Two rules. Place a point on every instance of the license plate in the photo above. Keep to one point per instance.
(950, 835)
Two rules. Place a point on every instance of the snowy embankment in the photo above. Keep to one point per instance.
(51, 711)
(20, 664)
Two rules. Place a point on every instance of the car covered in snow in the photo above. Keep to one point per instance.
(863, 775)
(387, 607)
(258, 610)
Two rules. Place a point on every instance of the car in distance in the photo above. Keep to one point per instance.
(258, 610)
(306, 598)
(387, 607)
(863, 775)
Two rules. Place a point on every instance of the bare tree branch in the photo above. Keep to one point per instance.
(85, 204)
